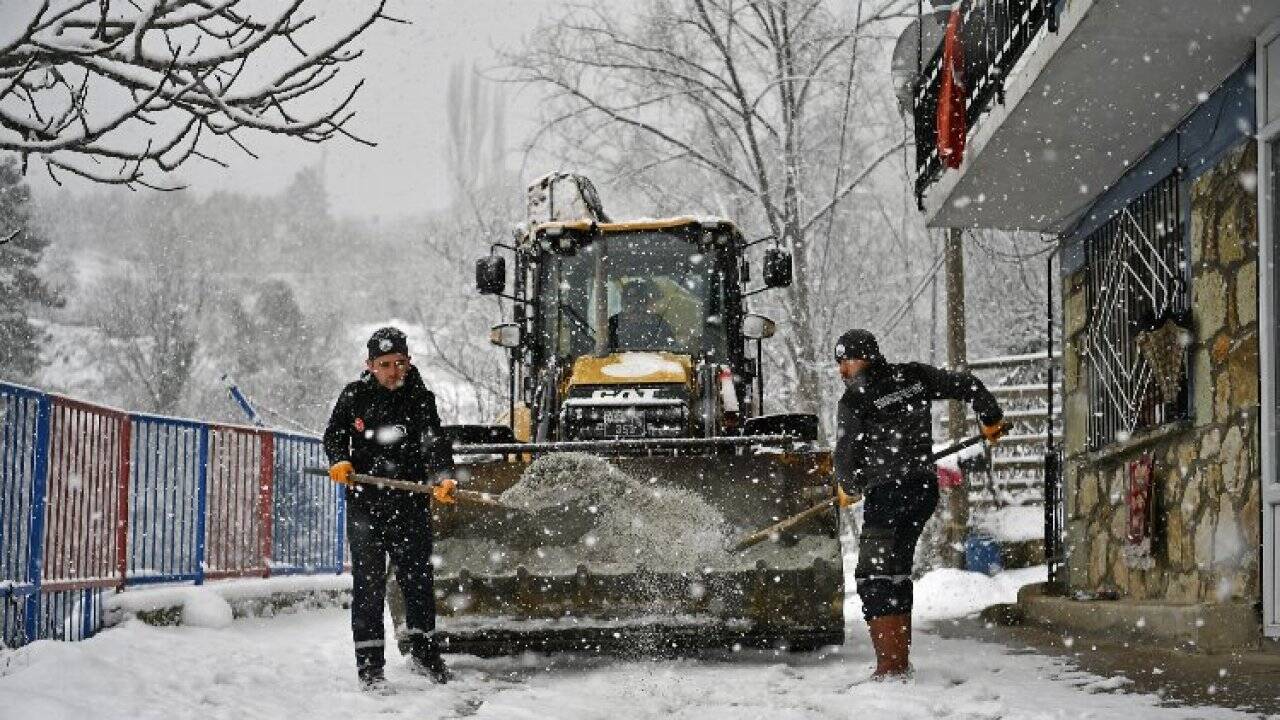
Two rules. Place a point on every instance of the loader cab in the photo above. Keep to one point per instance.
(638, 291)
(631, 329)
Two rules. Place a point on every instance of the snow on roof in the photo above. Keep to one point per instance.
(641, 364)
(643, 223)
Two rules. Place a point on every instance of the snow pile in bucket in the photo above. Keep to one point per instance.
(665, 528)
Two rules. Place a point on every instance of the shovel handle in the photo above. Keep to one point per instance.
(471, 496)
(966, 443)
(785, 524)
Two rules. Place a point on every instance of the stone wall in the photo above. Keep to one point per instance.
(1207, 469)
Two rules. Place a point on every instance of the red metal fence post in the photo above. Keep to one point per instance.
(265, 485)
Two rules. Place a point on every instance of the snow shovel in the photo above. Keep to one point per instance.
(787, 523)
(469, 496)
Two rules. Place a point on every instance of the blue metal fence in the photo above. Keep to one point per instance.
(166, 500)
(23, 430)
(155, 474)
(306, 516)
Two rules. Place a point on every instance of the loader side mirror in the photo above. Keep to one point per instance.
(491, 275)
(505, 335)
(744, 272)
(777, 268)
(758, 327)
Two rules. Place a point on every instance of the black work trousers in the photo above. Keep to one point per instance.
(893, 516)
(400, 530)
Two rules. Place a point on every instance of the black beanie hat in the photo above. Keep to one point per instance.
(387, 340)
(858, 345)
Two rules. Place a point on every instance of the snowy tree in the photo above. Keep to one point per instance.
(476, 147)
(110, 90)
(21, 288)
(302, 230)
(485, 205)
(280, 356)
(1005, 293)
(750, 99)
(149, 316)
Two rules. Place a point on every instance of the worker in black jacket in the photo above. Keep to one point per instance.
(386, 424)
(884, 440)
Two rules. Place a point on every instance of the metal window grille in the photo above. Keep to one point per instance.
(1136, 271)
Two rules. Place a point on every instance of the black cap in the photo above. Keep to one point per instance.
(387, 340)
(858, 345)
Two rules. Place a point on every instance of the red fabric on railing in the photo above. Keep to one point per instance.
(953, 94)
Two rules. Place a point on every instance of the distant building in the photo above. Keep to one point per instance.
(1145, 136)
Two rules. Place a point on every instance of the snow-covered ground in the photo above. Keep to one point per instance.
(300, 666)
(1012, 524)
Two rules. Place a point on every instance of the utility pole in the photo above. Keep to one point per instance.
(956, 515)
(933, 317)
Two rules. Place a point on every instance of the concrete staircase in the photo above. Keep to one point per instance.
(1006, 488)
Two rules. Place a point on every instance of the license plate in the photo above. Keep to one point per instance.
(624, 429)
(621, 417)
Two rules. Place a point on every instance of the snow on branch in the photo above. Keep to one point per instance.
(112, 90)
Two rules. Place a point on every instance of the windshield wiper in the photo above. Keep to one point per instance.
(573, 315)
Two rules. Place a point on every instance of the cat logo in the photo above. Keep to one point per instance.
(626, 394)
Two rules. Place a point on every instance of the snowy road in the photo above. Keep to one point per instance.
(300, 666)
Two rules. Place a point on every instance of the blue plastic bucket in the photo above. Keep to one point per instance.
(982, 554)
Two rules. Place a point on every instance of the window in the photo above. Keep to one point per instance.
(1272, 61)
(1268, 296)
(645, 291)
(1269, 207)
(1136, 281)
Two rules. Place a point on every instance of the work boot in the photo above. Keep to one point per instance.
(372, 679)
(891, 638)
(369, 664)
(426, 660)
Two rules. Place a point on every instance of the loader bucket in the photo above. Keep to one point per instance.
(647, 571)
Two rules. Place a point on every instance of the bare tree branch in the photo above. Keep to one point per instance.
(854, 183)
(87, 80)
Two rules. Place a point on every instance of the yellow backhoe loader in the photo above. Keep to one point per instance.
(632, 342)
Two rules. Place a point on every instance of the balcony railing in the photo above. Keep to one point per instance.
(995, 34)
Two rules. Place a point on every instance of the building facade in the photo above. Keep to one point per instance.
(1145, 136)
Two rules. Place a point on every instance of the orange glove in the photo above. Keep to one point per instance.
(342, 472)
(995, 431)
(844, 500)
(443, 491)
